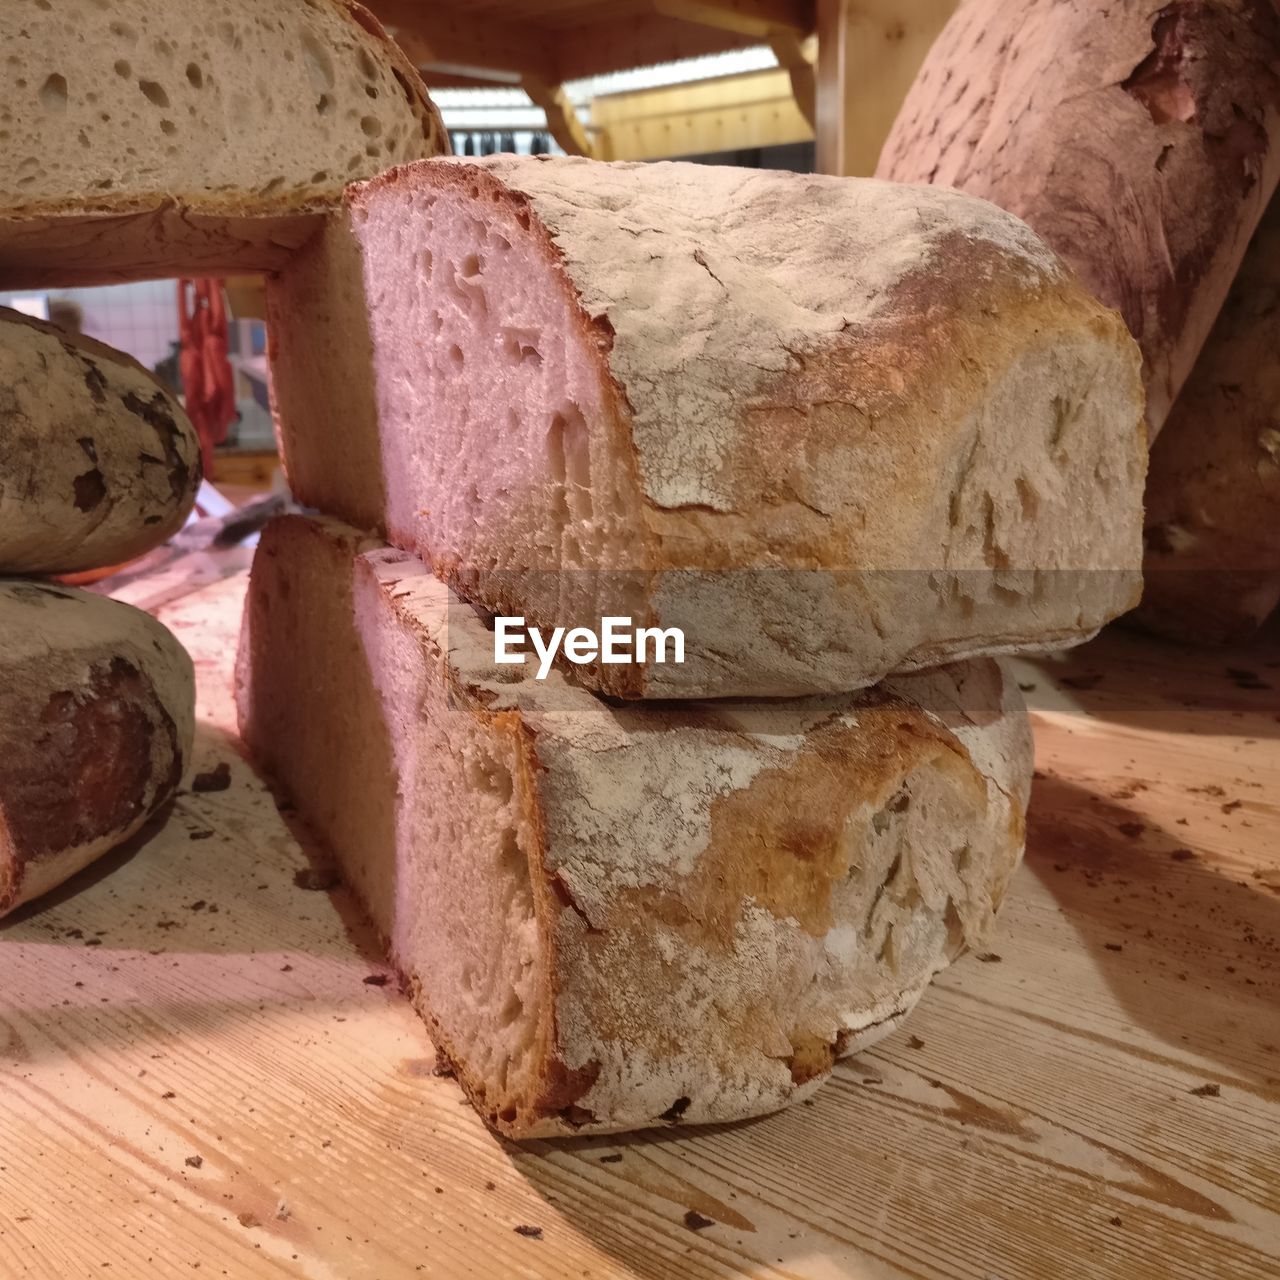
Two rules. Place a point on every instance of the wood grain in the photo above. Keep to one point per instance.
(198, 1078)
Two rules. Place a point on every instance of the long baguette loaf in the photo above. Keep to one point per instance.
(1141, 138)
(143, 139)
(98, 461)
(831, 428)
(1213, 494)
(96, 720)
(619, 917)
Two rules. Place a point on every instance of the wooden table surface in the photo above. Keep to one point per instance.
(204, 1072)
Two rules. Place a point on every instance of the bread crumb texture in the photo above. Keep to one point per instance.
(108, 99)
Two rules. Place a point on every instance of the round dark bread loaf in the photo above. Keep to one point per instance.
(96, 721)
(98, 461)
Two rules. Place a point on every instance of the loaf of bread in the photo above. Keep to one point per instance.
(611, 917)
(829, 428)
(98, 461)
(1213, 494)
(144, 139)
(96, 720)
(1141, 138)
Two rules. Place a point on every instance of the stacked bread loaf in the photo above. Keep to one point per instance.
(130, 151)
(830, 431)
(1143, 142)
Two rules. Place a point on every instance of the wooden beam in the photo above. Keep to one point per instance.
(562, 117)
(868, 54)
(797, 61)
(643, 41)
(730, 113)
(454, 42)
(756, 18)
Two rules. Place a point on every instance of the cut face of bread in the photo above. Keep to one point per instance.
(183, 138)
(98, 461)
(831, 428)
(97, 706)
(615, 917)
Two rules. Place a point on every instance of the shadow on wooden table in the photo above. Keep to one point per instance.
(1191, 950)
(1128, 678)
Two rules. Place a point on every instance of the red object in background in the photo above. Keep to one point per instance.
(208, 382)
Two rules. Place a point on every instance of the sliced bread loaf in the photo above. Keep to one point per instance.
(98, 461)
(143, 139)
(97, 706)
(831, 428)
(615, 917)
(1140, 138)
(1213, 495)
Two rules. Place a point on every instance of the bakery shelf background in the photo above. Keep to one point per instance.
(832, 71)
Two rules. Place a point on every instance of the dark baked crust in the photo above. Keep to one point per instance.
(1139, 139)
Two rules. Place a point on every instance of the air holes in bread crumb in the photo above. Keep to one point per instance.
(520, 347)
(53, 93)
(324, 105)
(154, 93)
(124, 69)
(512, 1008)
(319, 62)
(195, 76)
(371, 126)
(123, 31)
(567, 447)
(456, 357)
(167, 126)
(484, 773)
(510, 859)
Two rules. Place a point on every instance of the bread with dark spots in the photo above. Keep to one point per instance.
(96, 720)
(621, 916)
(98, 460)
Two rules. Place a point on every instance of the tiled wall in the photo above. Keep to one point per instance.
(141, 319)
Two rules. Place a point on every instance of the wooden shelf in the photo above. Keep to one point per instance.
(204, 1075)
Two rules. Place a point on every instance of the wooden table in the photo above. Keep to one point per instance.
(206, 1074)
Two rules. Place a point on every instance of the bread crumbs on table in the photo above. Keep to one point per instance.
(530, 1233)
(1205, 1091)
(988, 957)
(194, 1162)
(215, 779)
(696, 1221)
(317, 878)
